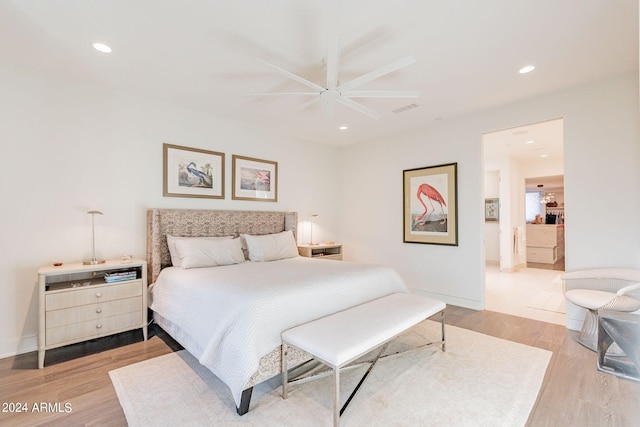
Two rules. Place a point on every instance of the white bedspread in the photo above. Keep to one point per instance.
(236, 313)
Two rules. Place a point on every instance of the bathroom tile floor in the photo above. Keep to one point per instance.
(529, 292)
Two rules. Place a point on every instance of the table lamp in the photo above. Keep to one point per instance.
(93, 259)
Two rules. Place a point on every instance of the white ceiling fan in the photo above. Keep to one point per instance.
(343, 93)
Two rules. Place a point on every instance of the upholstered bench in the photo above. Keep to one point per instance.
(341, 338)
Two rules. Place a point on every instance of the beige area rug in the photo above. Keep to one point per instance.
(479, 381)
(548, 301)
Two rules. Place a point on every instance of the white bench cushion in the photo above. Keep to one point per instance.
(339, 338)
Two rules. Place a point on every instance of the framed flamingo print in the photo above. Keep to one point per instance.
(192, 172)
(431, 205)
(254, 179)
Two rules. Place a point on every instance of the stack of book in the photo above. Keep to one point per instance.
(119, 276)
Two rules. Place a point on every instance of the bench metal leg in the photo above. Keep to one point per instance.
(442, 321)
(364, 377)
(336, 397)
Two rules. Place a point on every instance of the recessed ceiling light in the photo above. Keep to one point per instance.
(343, 127)
(527, 69)
(544, 155)
(531, 141)
(101, 47)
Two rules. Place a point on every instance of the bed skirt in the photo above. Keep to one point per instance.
(270, 364)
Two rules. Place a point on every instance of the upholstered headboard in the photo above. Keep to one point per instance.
(198, 223)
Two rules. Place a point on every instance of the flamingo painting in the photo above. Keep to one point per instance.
(431, 195)
(263, 181)
(423, 221)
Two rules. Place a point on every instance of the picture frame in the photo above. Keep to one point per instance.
(192, 172)
(430, 208)
(254, 179)
(492, 210)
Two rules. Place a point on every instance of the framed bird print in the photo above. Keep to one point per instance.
(431, 205)
(254, 179)
(192, 172)
(491, 210)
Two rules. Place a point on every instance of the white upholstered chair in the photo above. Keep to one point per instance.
(607, 288)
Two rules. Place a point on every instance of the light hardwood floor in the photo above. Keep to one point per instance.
(573, 392)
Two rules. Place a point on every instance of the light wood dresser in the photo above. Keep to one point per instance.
(545, 243)
(80, 302)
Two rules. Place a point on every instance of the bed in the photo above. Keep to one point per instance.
(230, 317)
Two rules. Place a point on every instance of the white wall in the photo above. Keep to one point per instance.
(491, 228)
(372, 220)
(512, 215)
(516, 235)
(602, 158)
(69, 148)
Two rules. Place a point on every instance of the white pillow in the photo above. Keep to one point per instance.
(171, 243)
(271, 247)
(197, 253)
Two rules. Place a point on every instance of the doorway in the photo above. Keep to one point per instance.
(512, 157)
(544, 205)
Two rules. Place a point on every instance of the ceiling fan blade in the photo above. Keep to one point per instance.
(381, 93)
(358, 107)
(292, 76)
(309, 103)
(281, 93)
(379, 72)
(333, 64)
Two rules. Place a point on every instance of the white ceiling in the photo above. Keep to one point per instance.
(537, 144)
(201, 54)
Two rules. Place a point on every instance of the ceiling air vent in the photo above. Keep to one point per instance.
(405, 108)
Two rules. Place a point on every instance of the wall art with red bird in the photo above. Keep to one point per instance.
(430, 205)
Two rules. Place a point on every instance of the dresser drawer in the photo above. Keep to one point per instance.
(93, 328)
(542, 255)
(108, 292)
(83, 313)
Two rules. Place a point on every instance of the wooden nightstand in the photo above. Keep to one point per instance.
(321, 251)
(80, 302)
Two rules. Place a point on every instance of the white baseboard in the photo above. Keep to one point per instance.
(448, 299)
(20, 346)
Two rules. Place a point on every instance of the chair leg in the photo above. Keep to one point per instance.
(589, 335)
(589, 332)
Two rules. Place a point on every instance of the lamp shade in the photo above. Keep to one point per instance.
(313, 217)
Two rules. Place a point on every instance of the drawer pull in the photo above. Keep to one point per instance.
(98, 326)
(98, 310)
(98, 294)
